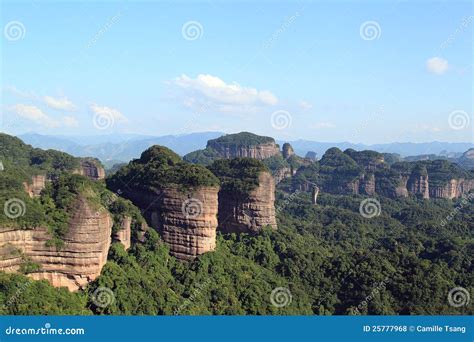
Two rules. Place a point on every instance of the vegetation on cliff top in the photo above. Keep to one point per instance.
(159, 168)
(240, 139)
(239, 175)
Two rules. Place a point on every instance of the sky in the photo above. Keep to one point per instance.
(363, 72)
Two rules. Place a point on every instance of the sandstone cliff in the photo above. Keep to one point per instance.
(261, 151)
(248, 213)
(287, 150)
(418, 185)
(78, 262)
(452, 189)
(244, 144)
(176, 198)
(37, 184)
(124, 234)
(187, 221)
(91, 169)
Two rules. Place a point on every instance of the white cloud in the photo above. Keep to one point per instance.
(305, 105)
(211, 91)
(24, 94)
(34, 114)
(319, 125)
(437, 65)
(108, 112)
(59, 103)
(70, 121)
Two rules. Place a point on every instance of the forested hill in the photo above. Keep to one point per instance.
(346, 254)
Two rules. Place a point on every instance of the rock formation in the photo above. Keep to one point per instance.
(178, 199)
(452, 189)
(261, 151)
(367, 184)
(187, 221)
(124, 234)
(287, 150)
(80, 259)
(247, 195)
(244, 145)
(282, 173)
(418, 183)
(37, 184)
(91, 168)
(244, 213)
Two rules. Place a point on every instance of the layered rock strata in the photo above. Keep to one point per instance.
(187, 221)
(124, 234)
(78, 262)
(240, 213)
(37, 184)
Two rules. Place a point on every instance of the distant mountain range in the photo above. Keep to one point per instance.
(117, 148)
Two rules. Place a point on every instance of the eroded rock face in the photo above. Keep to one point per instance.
(124, 234)
(419, 185)
(187, 221)
(37, 184)
(283, 173)
(79, 261)
(261, 151)
(287, 150)
(248, 213)
(367, 184)
(91, 170)
(453, 189)
(401, 190)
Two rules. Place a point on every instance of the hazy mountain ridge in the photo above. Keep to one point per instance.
(125, 147)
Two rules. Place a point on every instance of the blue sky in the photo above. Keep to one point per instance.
(370, 72)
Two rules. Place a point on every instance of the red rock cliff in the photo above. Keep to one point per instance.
(79, 261)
